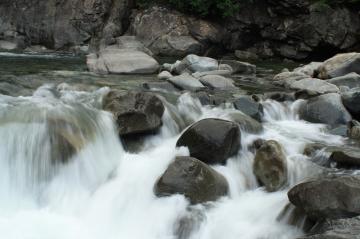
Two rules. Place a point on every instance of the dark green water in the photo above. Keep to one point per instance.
(20, 74)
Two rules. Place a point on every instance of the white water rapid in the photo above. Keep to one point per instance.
(103, 192)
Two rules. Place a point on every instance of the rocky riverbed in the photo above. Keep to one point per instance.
(196, 147)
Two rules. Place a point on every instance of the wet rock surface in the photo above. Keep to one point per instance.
(330, 197)
(135, 112)
(270, 165)
(212, 141)
(327, 108)
(192, 178)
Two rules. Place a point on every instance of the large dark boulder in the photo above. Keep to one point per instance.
(194, 179)
(270, 165)
(134, 112)
(326, 109)
(351, 101)
(212, 141)
(330, 197)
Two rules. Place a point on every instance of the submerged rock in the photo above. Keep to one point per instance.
(270, 166)
(250, 107)
(212, 141)
(327, 109)
(192, 178)
(330, 197)
(340, 65)
(134, 112)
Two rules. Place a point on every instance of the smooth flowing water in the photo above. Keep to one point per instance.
(96, 190)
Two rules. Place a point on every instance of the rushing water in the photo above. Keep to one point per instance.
(96, 190)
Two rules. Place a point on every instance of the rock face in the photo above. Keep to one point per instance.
(293, 29)
(170, 33)
(264, 28)
(212, 141)
(62, 24)
(340, 65)
(194, 179)
(135, 112)
(331, 197)
(122, 61)
(270, 166)
(327, 109)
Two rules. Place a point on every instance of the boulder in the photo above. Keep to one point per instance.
(134, 112)
(329, 197)
(314, 85)
(250, 107)
(130, 43)
(289, 77)
(212, 141)
(193, 63)
(353, 131)
(192, 178)
(224, 73)
(351, 80)
(346, 158)
(326, 109)
(240, 67)
(246, 123)
(309, 69)
(348, 228)
(270, 166)
(246, 55)
(351, 101)
(186, 82)
(164, 75)
(122, 61)
(160, 86)
(217, 82)
(340, 65)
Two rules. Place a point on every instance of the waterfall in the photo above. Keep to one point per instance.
(65, 175)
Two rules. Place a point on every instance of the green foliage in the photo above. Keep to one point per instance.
(223, 8)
